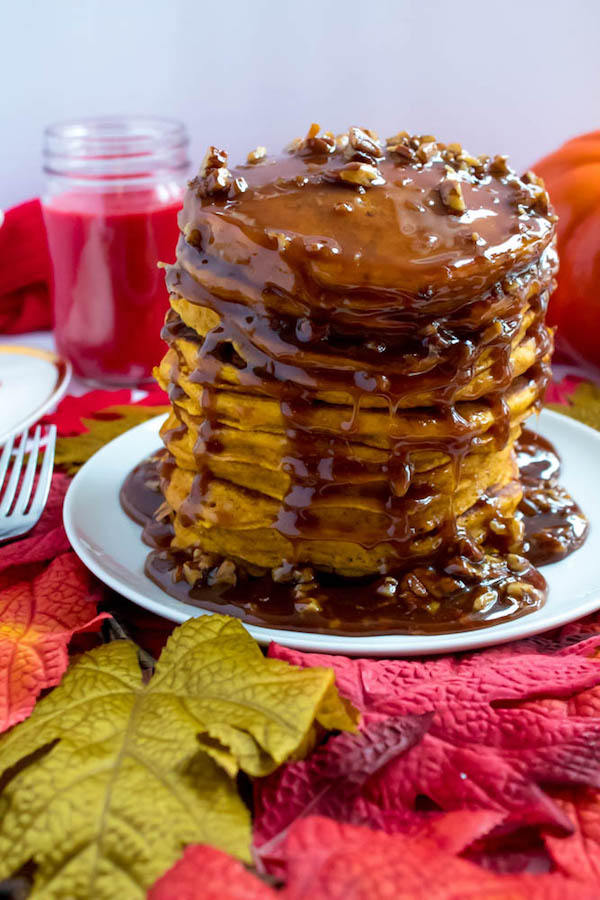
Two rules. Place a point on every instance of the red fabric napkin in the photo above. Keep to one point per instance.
(24, 270)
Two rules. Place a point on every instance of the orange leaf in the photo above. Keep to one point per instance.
(578, 855)
(37, 621)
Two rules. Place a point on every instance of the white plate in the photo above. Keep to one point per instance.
(31, 382)
(109, 544)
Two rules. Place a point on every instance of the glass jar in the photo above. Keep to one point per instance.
(114, 187)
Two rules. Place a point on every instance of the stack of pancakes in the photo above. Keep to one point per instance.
(356, 335)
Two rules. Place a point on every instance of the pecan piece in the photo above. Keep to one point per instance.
(452, 195)
(225, 574)
(362, 174)
(257, 154)
(313, 142)
(361, 143)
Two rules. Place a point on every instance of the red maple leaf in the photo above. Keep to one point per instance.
(332, 780)
(72, 410)
(207, 873)
(578, 854)
(48, 539)
(485, 748)
(37, 620)
(327, 860)
(560, 391)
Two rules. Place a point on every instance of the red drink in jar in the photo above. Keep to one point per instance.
(115, 188)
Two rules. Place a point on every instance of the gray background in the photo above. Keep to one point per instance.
(512, 77)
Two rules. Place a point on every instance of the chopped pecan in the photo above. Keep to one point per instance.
(416, 586)
(388, 587)
(516, 563)
(257, 154)
(426, 150)
(362, 145)
(484, 599)
(452, 195)
(530, 177)
(518, 589)
(499, 166)
(203, 561)
(283, 240)
(213, 159)
(191, 574)
(304, 590)
(225, 574)
(399, 145)
(454, 150)
(238, 186)
(341, 142)
(286, 573)
(401, 138)
(362, 174)
(313, 142)
(214, 177)
(532, 194)
(217, 180)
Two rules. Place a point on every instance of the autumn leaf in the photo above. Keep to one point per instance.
(560, 391)
(72, 452)
(48, 539)
(332, 780)
(72, 411)
(326, 860)
(485, 747)
(210, 874)
(578, 854)
(583, 404)
(37, 621)
(130, 773)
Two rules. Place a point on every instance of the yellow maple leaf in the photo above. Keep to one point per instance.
(124, 774)
(584, 404)
(72, 452)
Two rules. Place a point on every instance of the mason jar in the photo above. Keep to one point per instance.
(113, 190)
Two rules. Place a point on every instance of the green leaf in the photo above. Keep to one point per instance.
(125, 774)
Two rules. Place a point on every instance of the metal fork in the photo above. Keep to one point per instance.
(17, 514)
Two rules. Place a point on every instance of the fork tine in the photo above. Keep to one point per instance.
(5, 459)
(27, 482)
(43, 485)
(13, 481)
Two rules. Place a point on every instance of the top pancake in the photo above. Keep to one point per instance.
(294, 225)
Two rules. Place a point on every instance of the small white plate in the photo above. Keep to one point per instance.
(109, 543)
(31, 382)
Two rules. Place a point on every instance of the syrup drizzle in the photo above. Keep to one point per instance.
(357, 606)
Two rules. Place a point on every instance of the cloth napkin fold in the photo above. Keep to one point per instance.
(24, 270)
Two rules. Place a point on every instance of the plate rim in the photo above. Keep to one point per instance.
(351, 645)
(64, 373)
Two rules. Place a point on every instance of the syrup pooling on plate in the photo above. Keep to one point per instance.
(357, 332)
(364, 606)
(554, 524)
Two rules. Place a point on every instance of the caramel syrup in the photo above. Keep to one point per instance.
(554, 527)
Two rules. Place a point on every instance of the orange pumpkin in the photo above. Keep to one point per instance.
(572, 176)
